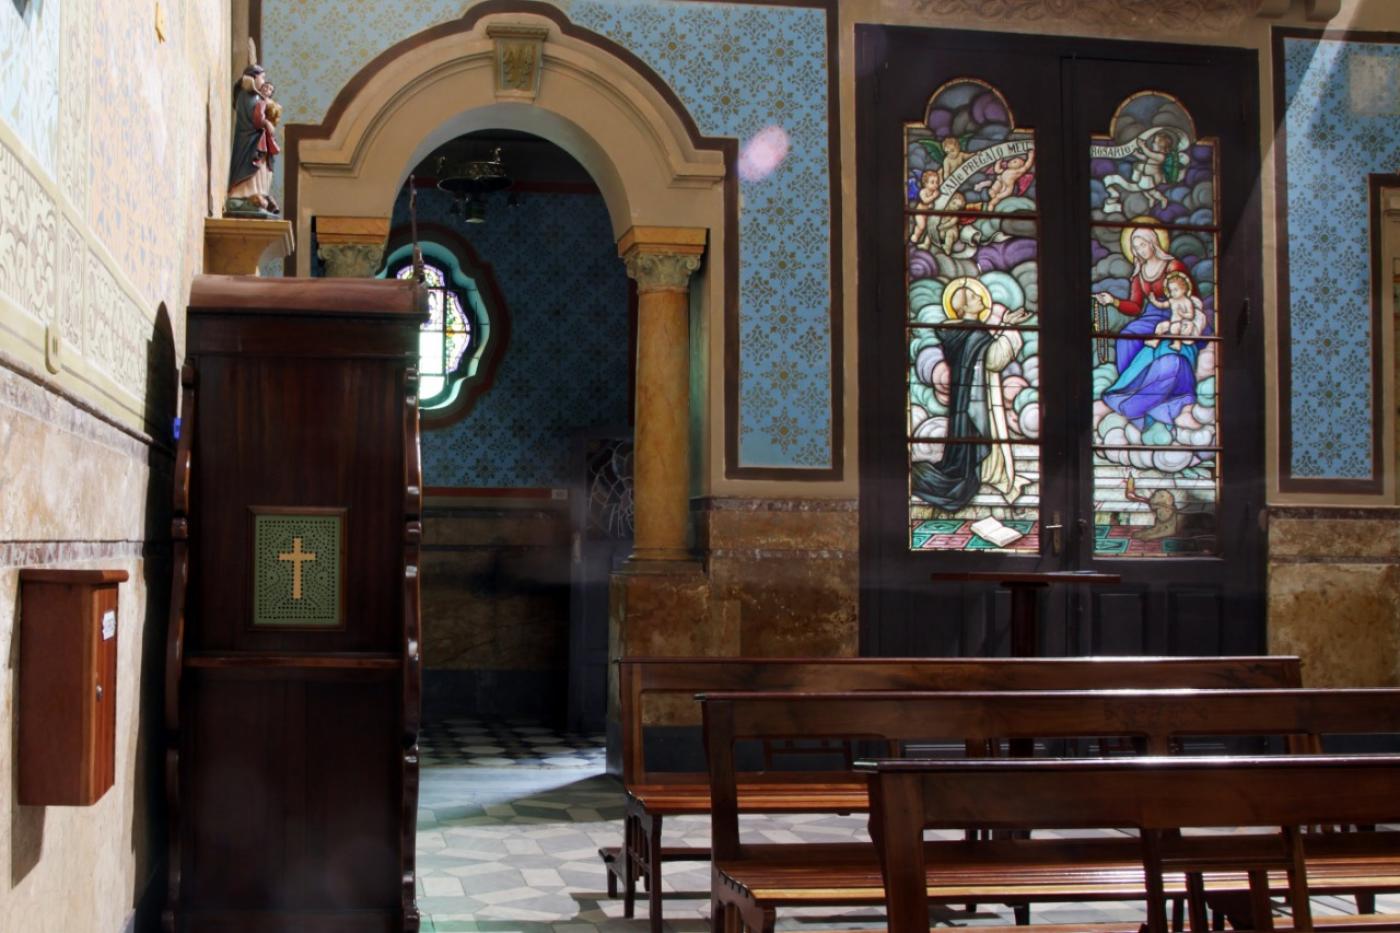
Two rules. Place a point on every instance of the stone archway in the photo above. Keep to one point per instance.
(530, 70)
(671, 194)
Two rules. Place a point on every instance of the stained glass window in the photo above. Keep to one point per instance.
(1154, 236)
(450, 342)
(973, 402)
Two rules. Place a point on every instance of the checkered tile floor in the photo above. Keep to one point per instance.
(507, 744)
(514, 845)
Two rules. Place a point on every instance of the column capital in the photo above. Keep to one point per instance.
(662, 259)
(351, 246)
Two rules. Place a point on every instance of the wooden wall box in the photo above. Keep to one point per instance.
(292, 666)
(67, 694)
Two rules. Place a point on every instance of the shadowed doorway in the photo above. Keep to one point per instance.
(527, 373)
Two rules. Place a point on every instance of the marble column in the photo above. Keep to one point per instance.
(662, 260)
(351, 247)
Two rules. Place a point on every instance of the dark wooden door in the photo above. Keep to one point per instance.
(1012, 368)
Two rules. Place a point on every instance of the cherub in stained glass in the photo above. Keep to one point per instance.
(1009, 177)
(926, 194)
(1157, 164)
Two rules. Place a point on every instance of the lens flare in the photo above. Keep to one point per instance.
(763, 153)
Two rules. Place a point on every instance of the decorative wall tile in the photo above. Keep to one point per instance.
(28, 226)
(741, 69)
(104, 302)
(1331, 148)
(127, 163)
(738, 69)
(72, 272)
(565, 365)
(29, 74)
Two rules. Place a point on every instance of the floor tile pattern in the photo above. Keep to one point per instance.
(512, 848)
(507, 744)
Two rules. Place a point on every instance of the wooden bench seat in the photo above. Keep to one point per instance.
(1157, 796)
(654, 795)
(849, 875)
(756, 881)
(686, 799)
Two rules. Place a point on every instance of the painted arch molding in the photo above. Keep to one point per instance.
(641, 151)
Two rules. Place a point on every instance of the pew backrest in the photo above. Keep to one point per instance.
(643, 678)
(1152, 794)
(1158, 717)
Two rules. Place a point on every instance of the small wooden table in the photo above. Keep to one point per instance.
(1025, 612)
(1025, 616)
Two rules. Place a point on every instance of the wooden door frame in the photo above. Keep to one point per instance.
(877, 578)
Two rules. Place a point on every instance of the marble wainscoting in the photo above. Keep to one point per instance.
(771, 578)
(1334, 593)
(78, 491)
(784, 574)
(495, 591)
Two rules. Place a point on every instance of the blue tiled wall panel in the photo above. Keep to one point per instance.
(1337, 132)
(565, 366)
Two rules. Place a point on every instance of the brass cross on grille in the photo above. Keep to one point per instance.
(296, 556)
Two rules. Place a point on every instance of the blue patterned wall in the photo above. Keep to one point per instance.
(1334, 140)
(565, 366)
(739, 69)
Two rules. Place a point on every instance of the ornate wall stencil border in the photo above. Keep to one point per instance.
(1166, 15)
(44, 553)
(27, 239)
(45, 243)
(1372, 486)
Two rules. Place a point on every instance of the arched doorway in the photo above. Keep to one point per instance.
(670, 195)
(526, 395)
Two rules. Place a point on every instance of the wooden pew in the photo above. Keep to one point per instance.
(1157, 796)
(756, 881)
(654, 795)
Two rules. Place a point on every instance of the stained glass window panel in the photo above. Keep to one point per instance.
(991, 520)
(1152, 165)
(1154, 503)
(973, 335)
(1005, 389)
(446, 335)
(968, 154)
(431, 386)
(1156, 352)
(430, 352)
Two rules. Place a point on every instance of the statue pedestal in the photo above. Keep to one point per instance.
(237, 245)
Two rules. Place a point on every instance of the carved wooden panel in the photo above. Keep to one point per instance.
(293, 663)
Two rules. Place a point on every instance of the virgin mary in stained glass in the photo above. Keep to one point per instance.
(1156, 377)
(976, 354)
